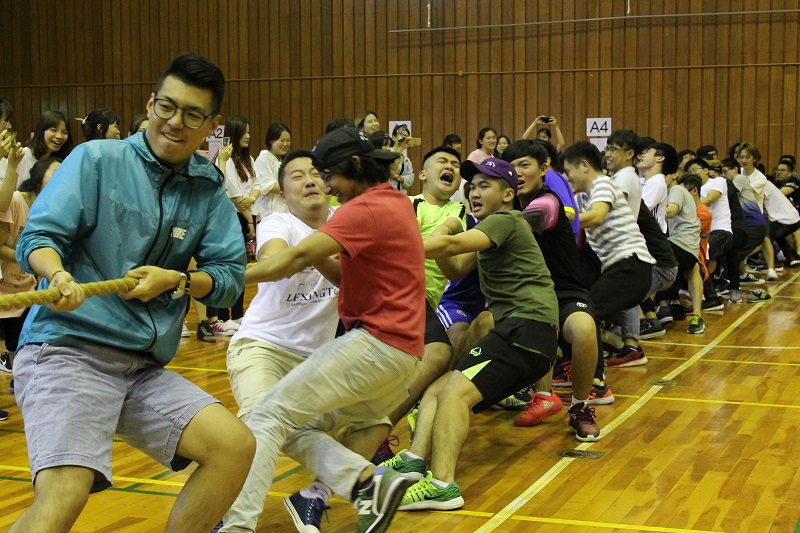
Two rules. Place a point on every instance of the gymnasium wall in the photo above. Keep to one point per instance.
(684, 80)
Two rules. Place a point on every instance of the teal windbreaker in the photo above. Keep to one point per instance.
(112, 206)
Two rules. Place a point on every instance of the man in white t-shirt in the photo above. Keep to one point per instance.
(656, 161)
(621, 151)
(714, 195)
(287, 319)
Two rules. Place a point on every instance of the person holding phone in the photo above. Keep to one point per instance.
(541, 125)
(405, 172)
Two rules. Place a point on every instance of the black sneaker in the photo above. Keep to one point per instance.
(649, 329)
(3, 414)
(677, 311)
(664, 315)
(306, 513)
(750, 279)
(758, 296)
(712, 304)
(5, 362)
(204, 332)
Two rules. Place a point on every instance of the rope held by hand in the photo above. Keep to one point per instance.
(52, 294)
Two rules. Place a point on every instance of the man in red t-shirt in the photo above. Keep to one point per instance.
(360, 377)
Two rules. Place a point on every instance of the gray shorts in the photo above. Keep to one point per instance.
(74, 399)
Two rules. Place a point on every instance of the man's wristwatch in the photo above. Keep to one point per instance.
(183, 285)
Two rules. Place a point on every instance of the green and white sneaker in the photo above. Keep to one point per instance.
(377, 504)
(425, 495)
(410, 467)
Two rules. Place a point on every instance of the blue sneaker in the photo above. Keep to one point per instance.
(306, 512)
(377, 504)
(217, 527)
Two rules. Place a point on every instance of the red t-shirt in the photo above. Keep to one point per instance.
(383, 267)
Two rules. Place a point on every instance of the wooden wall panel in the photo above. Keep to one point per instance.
(687, 80)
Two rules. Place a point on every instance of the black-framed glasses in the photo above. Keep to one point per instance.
(191, 118)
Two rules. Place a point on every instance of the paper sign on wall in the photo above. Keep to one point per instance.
(214, 141)
(598, 127)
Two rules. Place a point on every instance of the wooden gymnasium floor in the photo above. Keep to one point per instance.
(703, 438)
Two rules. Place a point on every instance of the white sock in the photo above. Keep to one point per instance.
(318, 490)
(576, 401)
(545, 394)
(409, 455)
(438, 483)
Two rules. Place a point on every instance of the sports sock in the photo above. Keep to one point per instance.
(317, 490)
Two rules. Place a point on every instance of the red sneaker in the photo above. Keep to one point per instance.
(562, 374)
(581, 422)
(540, 408)
(628, 356)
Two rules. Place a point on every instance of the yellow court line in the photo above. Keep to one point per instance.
(731, 361)
(721, 402)
(664, 343)
(607, 525)
(172, 367)
(508, 511)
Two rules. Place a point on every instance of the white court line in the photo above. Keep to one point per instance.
(509, 510)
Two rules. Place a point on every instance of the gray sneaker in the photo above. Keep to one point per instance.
(735, 296)
(758, 295)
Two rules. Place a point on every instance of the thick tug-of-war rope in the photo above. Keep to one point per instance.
(52, 295)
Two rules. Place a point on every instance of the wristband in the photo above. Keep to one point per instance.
(54, 275)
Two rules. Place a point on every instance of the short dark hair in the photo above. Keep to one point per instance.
(705, 151)
(647, 142)
(451, 139)
(702, 163)
(136, 122)
(790, 157)
(526, 148)
(552, 153)
(6, 110)
(440, 149)
(583, 151)
(34, 182)
(683, 154)
(693, 181)
(627, 139)
(98, 117)
(730, 163)
(545, 130)
(339, 122)
(197, 71)
(789, 164)
(667, 151)
(288, 158)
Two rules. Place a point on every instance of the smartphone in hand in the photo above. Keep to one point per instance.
(226, 141)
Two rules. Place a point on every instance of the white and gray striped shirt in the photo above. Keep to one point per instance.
(618, 237)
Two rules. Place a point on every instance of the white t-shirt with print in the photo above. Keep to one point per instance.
(298, 314)
(654, 194)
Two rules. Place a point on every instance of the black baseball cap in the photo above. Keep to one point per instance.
(341, 144)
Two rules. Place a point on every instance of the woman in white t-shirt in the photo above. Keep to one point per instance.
(486, 143)
(51, 138)
(241, 180)
(278, 142)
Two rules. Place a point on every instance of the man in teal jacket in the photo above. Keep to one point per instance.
(86, 370)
